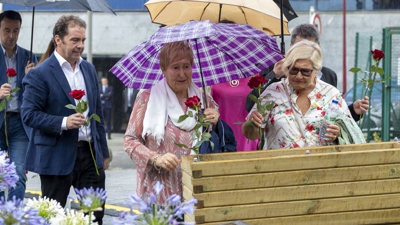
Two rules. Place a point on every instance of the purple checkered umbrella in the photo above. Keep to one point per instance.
(222, 52)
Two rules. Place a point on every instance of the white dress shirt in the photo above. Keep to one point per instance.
(75, 81)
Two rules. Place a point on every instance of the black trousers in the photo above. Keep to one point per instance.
(83, 175)
(107, 120)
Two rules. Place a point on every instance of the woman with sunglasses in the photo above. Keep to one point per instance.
(301, 101)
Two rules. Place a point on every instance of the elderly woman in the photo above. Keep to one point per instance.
(301, 101)
(154, 129)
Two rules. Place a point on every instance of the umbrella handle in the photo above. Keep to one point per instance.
(33, 21)
(201, 75)
(282, 38)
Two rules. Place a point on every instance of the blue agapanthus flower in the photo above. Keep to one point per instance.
(8, 174)
(90, 199)
(14, 212)
(156, 213)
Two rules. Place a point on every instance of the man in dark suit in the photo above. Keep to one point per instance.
(59, 146)
(106, 92)
(13, 56)
(275, 73)
(129, 100)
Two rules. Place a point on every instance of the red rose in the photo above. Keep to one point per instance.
(318, 95)
(377, 54)
(257, 81)
(77, 94)
(295, 145)
(193, 102)
(11, 72)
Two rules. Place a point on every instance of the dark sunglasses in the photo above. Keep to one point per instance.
(304, 72)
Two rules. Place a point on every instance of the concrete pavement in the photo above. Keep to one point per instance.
(120, 180)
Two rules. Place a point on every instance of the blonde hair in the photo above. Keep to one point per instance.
(303, 49)
(173, 51)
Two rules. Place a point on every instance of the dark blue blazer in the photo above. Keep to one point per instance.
(107, 96)
(22, 60)
(52, 151)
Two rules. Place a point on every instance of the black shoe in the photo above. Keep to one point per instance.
(109, 137)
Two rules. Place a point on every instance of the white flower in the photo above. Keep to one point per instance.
(47, 208)
(2, 158)
(72, 218)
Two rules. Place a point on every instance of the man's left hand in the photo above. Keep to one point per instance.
(106, 163)
(29, 66)
(361, 105)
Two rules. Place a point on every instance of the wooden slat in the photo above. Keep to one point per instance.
(301, 177)
(292, 193)
(383, 216)
(297, 151)
(288, 163)
(366, 146)
(266, 153)
(332, 205)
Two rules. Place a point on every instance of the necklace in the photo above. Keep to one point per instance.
(234, 83)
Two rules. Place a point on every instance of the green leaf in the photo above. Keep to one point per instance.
(70, 106)
(84, 106)
(182, 118)
(190, 113)
(380, 71)
(373, 68)
(197, 145)
(96, 117)
(355, 70)
(260, 108)
(197, 126)
(3, 105)
(212, 145)
(180, 145)
(387, 78)
(197, 133)
(206, 136)
(269, 105)
(15, 90)
(253, 98)
(363, 80)
(370, 83)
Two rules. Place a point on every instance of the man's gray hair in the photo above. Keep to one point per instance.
(305, 31)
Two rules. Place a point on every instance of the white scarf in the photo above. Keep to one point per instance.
(162, 104)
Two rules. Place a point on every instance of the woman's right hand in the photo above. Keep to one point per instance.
(256, 118)
(168, 161)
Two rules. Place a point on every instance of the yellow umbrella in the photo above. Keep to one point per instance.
(261, 14)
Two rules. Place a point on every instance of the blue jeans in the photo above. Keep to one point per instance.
(18, 143)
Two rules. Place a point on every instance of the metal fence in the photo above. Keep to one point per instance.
(382, 121)
(391, 89)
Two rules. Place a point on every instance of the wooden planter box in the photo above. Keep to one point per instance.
(352, 184)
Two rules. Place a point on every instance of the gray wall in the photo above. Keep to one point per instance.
(116, 35)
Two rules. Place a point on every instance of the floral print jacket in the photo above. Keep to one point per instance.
(286, 126)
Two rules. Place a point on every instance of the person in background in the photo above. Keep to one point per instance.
(154, 129)
(106, 93)
(309, 32)
(300, 103)
(129, 100)
(226, 93)
(13, 57)
(60, 146)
